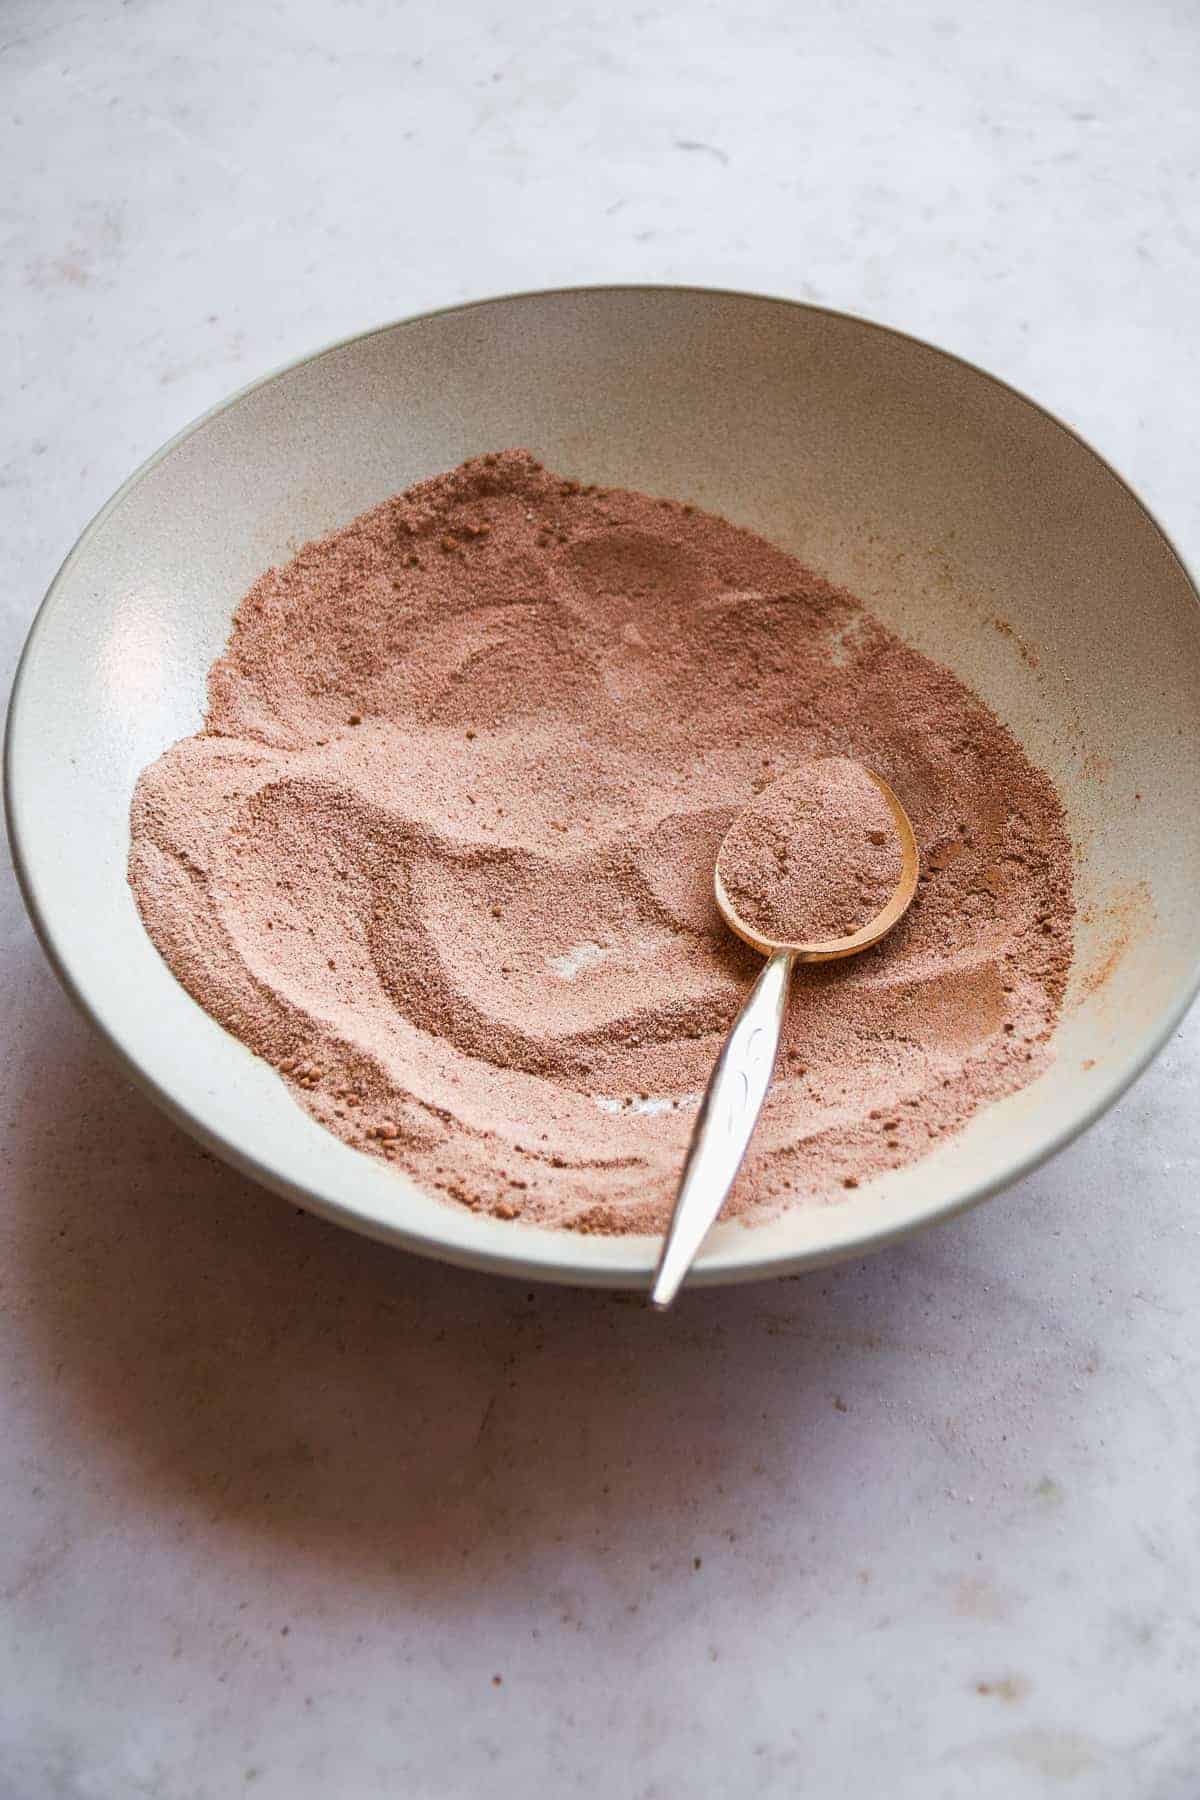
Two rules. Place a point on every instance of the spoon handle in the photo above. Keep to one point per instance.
(725, 1124)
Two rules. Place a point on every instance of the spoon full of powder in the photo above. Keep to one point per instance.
(820, 865)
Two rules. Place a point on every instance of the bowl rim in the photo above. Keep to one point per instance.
(524, 1260)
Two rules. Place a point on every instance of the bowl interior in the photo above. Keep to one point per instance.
(974, 524)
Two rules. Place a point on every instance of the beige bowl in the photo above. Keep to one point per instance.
(973, 523)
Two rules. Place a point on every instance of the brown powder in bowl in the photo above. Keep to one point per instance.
(443, 852)
(815, 857)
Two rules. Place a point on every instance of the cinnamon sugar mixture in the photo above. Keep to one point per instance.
(815, 857)
(443, 853)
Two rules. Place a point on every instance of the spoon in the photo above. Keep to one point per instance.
(742, 1075)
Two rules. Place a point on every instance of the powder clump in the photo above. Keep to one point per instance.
(443, 852)
(815, 857)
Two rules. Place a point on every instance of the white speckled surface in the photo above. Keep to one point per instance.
(279, 1503)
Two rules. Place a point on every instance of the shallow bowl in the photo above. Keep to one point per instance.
(973, 523)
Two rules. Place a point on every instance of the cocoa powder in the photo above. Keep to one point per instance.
(815, 857)
(443, 852)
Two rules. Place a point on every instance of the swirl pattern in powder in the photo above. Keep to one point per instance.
(443, 852)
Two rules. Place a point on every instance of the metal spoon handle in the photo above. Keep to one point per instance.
(725, 1124)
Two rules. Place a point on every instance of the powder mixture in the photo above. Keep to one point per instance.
(815, 857)
(443, 852)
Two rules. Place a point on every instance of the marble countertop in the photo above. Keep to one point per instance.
(290, 1515)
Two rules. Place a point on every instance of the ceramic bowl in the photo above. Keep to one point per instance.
(973, 523)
